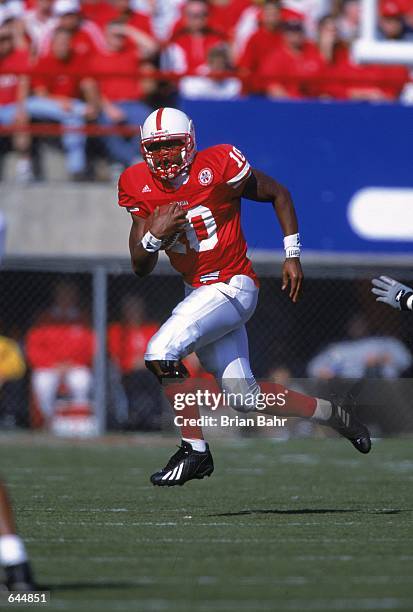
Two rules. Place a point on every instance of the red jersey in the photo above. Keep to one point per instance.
(117, 88)
(213, 246)
(187, 52)
(51, 344)
(224, 17)
(261, 43)
(284, 62)
(127, 344)
(60, 82)
(87, 39)
(16, 60)
(99, 12)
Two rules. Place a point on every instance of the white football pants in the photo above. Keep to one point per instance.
(210, 321)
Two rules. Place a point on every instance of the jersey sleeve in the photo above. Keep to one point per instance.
(128, 200)
(236, 169)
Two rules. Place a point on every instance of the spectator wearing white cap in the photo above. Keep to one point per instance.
(86, 37)
(39, 22)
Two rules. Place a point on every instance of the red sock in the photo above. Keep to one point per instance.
(288, 403)
(186, 413)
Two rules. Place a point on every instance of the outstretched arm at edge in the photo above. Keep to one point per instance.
(262, 188)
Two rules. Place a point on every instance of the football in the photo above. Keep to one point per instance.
(171, 240)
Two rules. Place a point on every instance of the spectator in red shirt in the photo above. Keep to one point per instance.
(224, 15)
(343, 79)
(207, 88)
(125, 14)
(282, 72)
(127, 340)
(122, 96)
(247, 24)
(58, 98)
(189, 46)
(11, 14)
(86, 36)
(60, 347)
(13, 92)
(98, 11)
(264, 41)
(335, 61)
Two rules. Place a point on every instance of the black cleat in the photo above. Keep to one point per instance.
(185, 464)
(347, 424)
(19, 577)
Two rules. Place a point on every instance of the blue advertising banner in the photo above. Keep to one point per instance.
(348, 166)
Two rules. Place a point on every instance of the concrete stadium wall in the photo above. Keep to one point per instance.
(63, 219)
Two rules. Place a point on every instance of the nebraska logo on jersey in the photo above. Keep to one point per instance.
(205, 176)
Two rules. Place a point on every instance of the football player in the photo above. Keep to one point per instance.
(393, 293)
(188, 202)
(13, 556)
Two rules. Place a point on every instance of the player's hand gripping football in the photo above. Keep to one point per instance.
(172, 222)
(292, 274)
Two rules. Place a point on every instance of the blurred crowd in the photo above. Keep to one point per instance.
(51, 367)
(109, 62)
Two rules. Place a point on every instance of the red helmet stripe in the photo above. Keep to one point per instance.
(159, 119)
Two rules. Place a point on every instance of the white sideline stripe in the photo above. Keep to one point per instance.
(181, 467)
(166, 475)
(240, 175)
(173, 474)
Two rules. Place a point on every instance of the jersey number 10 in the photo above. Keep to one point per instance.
(200, 230)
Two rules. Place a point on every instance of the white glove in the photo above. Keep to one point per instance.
(390, 291)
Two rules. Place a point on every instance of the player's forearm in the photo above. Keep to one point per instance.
(263, 188)
(143, 262)
(285, 211)
(142, 259)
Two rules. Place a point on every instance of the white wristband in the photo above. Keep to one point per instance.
(293, 240)
(409, 303)
(292, 245)
(151, 243)
(292, 252)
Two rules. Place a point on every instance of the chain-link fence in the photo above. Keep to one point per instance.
(73, 342)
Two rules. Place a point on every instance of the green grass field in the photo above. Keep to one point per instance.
(300, 525)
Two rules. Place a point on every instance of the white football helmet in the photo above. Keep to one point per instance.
(168, 125)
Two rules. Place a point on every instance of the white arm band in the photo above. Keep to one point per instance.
(150, 243)
(292, 245)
